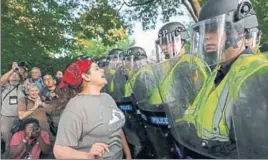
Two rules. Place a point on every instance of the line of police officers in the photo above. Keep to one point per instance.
(209, 103)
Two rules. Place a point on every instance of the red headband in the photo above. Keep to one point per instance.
(73, 74)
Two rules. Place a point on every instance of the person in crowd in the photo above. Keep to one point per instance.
(59, 76)
(33, 107)
(48, 92)
(30, 142)
(36, 78)
(12, 91)
(91, 124)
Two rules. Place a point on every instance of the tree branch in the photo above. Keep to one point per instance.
(137, 4)
(196, 6)
(190, 9)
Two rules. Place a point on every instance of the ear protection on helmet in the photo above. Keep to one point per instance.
(244, 8)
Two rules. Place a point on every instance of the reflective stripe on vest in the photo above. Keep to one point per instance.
(155, 97)
(210, 107)
(164, 89)
(111, 72)
(131, 82)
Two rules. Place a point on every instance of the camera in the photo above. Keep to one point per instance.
(22, 64)
(50, 98)
(36, 128)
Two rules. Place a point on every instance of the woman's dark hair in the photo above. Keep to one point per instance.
(65, 92)
(29, 121)
(64, 95)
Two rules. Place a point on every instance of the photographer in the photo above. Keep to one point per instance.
(30, 142)
(48, 94)
(12, 91)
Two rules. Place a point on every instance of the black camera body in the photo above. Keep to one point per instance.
(50, 98)
(22, 64)
(36, 129)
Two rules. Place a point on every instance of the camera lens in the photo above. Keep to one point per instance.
(36, 128)
(21, 64)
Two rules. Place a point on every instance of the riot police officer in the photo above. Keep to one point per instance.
(181, 80)
(145, 89)
(135, 59)
(171, 41)
(172, 38)
(218, 120)
(117, 87)
(115, 79)
(102, 62)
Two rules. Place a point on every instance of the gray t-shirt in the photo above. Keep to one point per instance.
(10, 99)
(88, 119)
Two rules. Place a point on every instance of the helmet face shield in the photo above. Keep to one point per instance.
(102, 62)
(215, 40)
(114, 60)
(135, 57)
(170, 44)
(129, 62)
(252, 38)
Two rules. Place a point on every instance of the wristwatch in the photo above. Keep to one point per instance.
(24, 140)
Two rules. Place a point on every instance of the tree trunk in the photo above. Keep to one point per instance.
(190, 9)
(193, 6)
(196, 6)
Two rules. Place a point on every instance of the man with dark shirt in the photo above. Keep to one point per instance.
(48, 92)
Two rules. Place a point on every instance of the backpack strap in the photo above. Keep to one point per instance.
(26, 102)
(16, 87)
(28, 149)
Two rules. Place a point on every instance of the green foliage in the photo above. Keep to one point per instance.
(149, 13)
(202, 2)
(260, 7)
(102, 22)
(35, 32)
(96, 49)
(187, 46)
(49, 65)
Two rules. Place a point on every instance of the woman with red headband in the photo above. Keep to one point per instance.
(91, 124)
